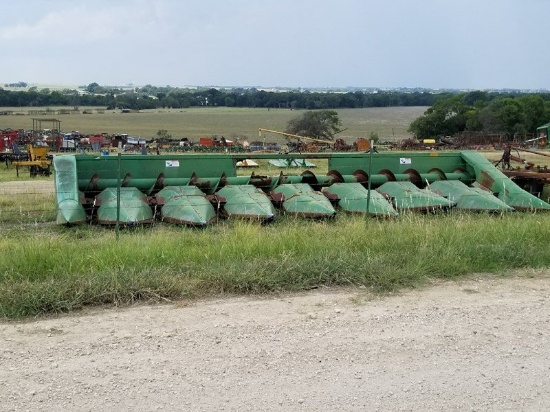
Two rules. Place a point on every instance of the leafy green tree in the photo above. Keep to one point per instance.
(473, 123)
(445, 117)
(483, 111)
(91, 88)
(322, 124)
(546, 114)
(170, 102)
(533, 112)
(163, 134)
(476, 97)
(428, 125)
(502, 116)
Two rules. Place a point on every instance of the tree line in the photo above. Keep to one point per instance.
(512, 114)
(449, 113)
(150, 97)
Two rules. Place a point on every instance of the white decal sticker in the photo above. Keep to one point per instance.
(405, 160)
(172, 163)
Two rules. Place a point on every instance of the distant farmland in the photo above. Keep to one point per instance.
(390, 123)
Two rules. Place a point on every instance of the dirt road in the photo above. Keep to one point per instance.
(479, 345)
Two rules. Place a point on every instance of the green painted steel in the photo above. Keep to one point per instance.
(80, 179)
(491, 178)
(144, 172)
(469, 198)
(68, 197)
(134, 208)
(406, 196)
(291, 179)
(286, 163)
(404, 165)
(352, 198)
(185, 205)
(170, 192)
(543, 133)
(239, 180)
(246, 202)
(301, 200)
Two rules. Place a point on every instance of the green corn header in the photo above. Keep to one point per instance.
(195, 189)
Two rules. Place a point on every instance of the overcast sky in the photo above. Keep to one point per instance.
(470, 44)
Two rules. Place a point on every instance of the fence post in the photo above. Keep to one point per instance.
(117, 226)
(369, 179)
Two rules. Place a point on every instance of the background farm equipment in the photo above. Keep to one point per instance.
(7, 139)
(298, 143)
(9, 146)
(215, 142)
(38, 160)
(530, 178)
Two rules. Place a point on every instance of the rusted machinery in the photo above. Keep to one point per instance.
(196, 189)
(304, 143)
(531, 178)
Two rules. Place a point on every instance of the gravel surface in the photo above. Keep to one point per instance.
(478, 345)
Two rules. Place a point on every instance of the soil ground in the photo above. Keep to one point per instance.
(478, 345)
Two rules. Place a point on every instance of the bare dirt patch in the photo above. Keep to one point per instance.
(481, 344)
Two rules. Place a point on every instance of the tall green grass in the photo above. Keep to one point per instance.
(26, 208)
(57, 269)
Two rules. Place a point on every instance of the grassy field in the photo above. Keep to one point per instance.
(57, 269)
(389, 123)
(48, 269)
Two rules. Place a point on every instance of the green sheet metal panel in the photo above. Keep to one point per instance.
(170, 192)
(284, 163)
(301, 200)
(397, 162)
(292, 189)
(469, 198)
(69, 207)
(406, 196)
(353, 199)
(493, 179)
(143, 171)
(185, 205)
(246, 202)
(134, 208)
(543, 132)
